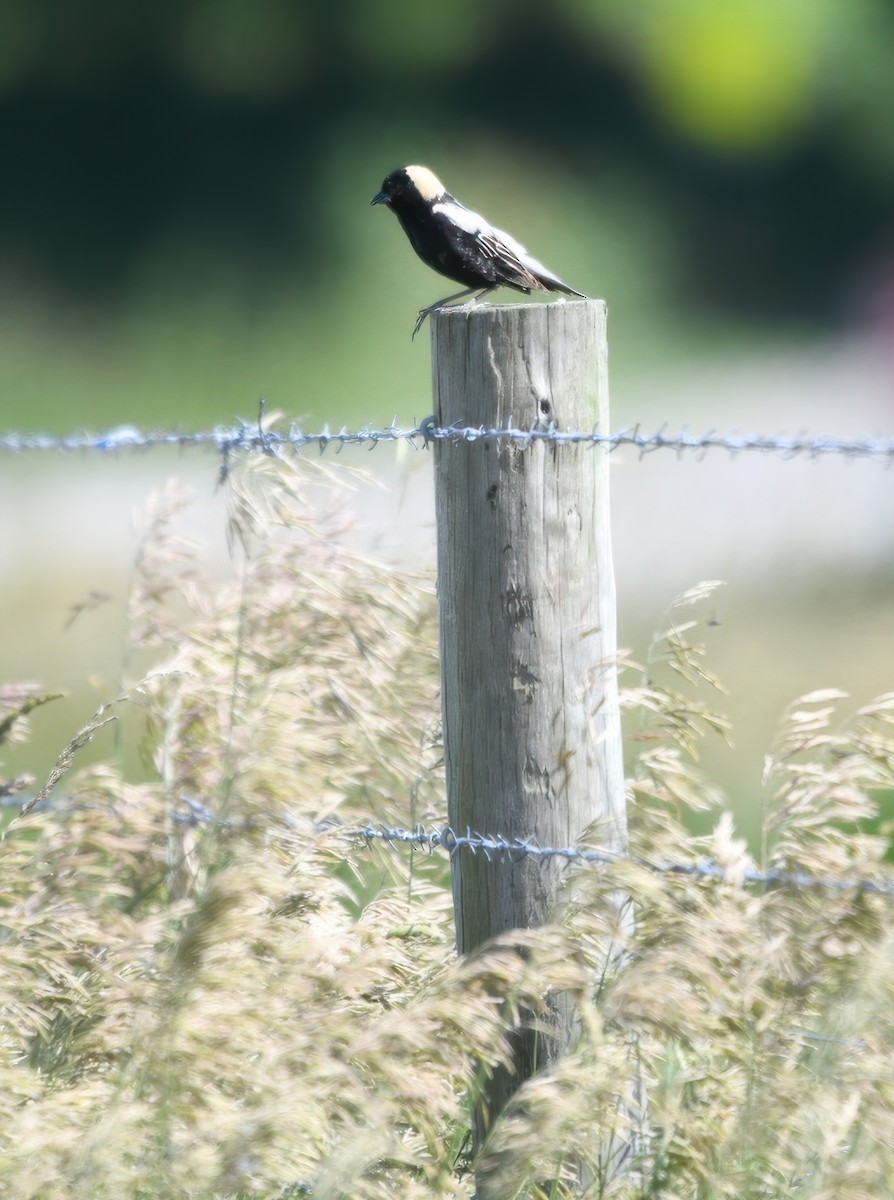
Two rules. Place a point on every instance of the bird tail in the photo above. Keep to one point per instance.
(544, 280)
(552, 283)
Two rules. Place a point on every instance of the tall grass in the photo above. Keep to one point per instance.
(208, 988)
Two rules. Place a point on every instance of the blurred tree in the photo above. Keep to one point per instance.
(757, 129)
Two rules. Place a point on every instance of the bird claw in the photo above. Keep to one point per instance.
(420, 321)
(447, 302)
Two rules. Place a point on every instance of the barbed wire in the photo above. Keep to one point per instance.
(254, 438)
(502, 849)
(498, 848)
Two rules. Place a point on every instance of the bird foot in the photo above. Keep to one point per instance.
(420, 320)
(424, 312)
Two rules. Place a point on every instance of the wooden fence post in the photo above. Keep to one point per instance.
(527, 614)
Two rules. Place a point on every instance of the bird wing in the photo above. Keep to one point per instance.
(514, 264)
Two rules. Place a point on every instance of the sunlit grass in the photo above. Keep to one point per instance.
(253, 1003)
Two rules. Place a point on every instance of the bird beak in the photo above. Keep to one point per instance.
(379, 198)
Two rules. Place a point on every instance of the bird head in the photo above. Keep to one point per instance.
(407, 184)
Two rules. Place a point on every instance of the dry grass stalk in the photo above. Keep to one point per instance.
(209, 990)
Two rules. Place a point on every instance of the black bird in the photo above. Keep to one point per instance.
(459, 243)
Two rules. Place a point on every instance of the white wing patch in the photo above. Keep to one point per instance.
(459, 215)
(493, 240)
(522, 269)
(475, 224)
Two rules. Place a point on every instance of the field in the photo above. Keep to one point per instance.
(213, 986)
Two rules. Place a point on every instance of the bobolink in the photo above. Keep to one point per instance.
(459, 243)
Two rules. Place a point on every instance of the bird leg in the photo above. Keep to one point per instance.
(424, 312)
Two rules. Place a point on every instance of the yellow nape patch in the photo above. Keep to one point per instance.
(427, 183)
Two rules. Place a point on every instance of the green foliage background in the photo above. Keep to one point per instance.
(185, 223)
